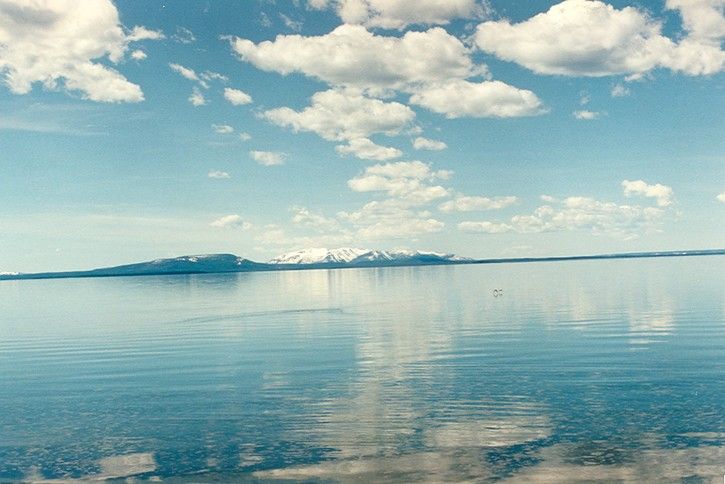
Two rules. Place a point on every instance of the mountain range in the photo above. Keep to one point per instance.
(218, 263)
(317, 259)
(351, 256)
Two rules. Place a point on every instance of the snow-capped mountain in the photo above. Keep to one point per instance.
(354, 256)
(319, 256)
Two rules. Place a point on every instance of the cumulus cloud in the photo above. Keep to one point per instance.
(218, 174)
(703, 19)
(661, 193)
(344, 114)
(350, 55)
(268, 158)
(222, 128)
(592, 38)
(398, 14)
(197, 98)
(142, 33)
(421, 143)
(60, 44)
(236, 96)
(620, 90)
(578, 213)
(318, 4)
(365, 149)
(405, 187)
(305, 217)
(460, 98)
(585, 115)
(244, 136)
(410, 181)
(464, 203)
(484, 227)
(138, 55)
(390, 219)
(231, 221)
(721, 197)
(433, 66)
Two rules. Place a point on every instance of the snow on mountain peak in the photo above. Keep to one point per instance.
(348, 255)
(319, 255)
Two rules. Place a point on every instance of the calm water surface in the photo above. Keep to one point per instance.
(591, 370)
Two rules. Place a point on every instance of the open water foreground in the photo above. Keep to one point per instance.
(601, 370)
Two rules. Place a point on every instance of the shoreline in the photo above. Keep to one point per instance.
(262, 267)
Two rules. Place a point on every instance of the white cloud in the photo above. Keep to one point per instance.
(264, 20)
(236, 97)
(268, 158)
(344, 114)
(213, 76)
(620, 90)
(142, 33)
(703, 19)
(398, 14)
(319, 4)
(386, 219)
(410, 181)
(202, 79)
(591, 38)
(197, 98)
(421, 143)
(244, 136)
(662, 193)
(407, 185)
(218, 174)
(463, 203)
(484, 227)
(578, 213)
(183, 36)
(461, 98)
(290, 23)
(304, 217)
(365, 149)
(274, 235)
(222, 128)
(721, 197)
(231, 221)
(185, 72)
(59, 43)
(586, 115)
(431, 65)
(352, 56)
(138, 55)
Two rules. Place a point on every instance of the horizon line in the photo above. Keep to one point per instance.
(271, 267)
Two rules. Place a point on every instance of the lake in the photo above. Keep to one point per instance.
(607, 370)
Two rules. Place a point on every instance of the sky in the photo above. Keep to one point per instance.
(134, 130)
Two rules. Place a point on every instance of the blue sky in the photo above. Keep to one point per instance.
(136, 130)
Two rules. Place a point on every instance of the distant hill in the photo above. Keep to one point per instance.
(317, 259)
(190, 264)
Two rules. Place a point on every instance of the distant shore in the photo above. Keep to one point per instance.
(148, 268)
